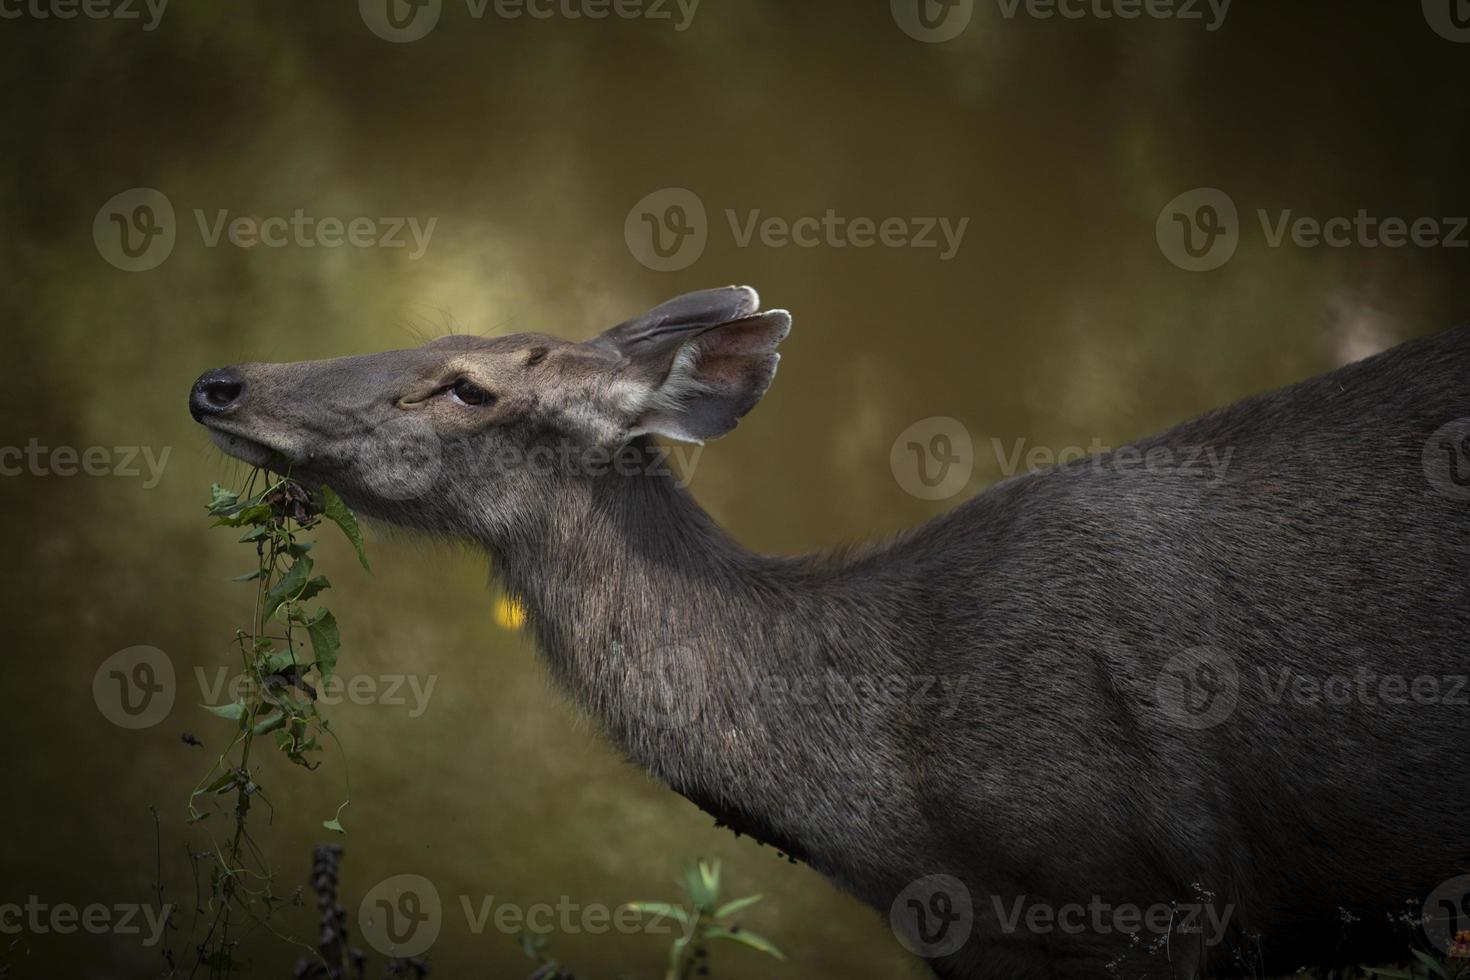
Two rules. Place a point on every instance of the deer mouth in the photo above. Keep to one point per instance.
(247, 449)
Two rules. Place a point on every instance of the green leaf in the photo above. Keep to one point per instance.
(255, 534)
(269, 723)
(291, 583)
(298, 548)
(234, 712)
(326, 642)
(314, 587)
(336, 822)
(702, 883)
(221, 500)
(279, 661)
(661, 908)
(747, 938)
(334, 510)
(248, 576)
(730, 908)
(252, 514)
(1430, 963)
(225, 782)
(531, 944)
(710, 873)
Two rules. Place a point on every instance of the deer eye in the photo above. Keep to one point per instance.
(466, 392)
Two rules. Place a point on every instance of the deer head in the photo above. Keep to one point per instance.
(480, 435)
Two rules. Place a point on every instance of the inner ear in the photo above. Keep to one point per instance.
(713, 378)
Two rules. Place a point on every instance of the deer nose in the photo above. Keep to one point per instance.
(215, 392)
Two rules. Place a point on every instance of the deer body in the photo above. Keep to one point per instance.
(981, 698)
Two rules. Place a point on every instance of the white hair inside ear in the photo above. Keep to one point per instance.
(671, 399)
(692, 367)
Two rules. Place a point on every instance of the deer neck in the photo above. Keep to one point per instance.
(704, 662)
(637, 597)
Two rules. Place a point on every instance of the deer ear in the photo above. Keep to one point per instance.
(698, 363)
(715, 378)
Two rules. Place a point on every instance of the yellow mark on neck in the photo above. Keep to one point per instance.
(510, 613)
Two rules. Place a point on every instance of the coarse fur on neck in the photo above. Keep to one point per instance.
(684, 647)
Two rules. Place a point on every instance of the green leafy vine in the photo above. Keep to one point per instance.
(290, 649)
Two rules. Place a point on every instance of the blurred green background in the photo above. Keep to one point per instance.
(1060, 321)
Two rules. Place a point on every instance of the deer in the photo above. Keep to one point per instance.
(1082, 723)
